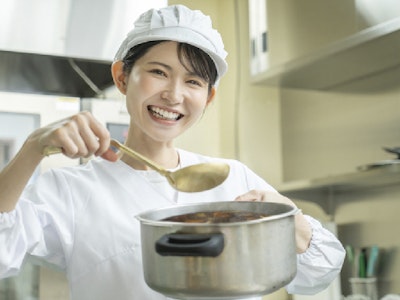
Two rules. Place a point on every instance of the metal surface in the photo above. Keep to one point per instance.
(40, 42)
(375, 50)
(321, 190)
(52, 75)
(259, 256)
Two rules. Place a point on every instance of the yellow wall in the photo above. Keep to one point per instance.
(204, 137)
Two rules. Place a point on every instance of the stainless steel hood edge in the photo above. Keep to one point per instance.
(54, 75)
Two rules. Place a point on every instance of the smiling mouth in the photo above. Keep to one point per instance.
(163, 114)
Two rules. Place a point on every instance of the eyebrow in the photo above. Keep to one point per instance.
(191, 73)
(161, 64)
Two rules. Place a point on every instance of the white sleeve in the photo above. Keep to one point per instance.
(320, 264)
(36, 228)
(21, 233)
(11, 243)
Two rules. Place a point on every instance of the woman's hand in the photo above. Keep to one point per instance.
(80, 135)
(303, 228)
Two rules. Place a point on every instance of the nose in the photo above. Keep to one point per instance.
(173, 93)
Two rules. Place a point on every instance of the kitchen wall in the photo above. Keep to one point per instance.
(351, 131)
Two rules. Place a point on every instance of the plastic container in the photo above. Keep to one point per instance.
(365, 287)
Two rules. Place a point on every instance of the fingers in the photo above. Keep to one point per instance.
(80, 135)
(110, 155)
(95, 137)
(265, 196)
(253, 195)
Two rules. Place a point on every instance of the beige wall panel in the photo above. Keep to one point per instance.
(330, 133)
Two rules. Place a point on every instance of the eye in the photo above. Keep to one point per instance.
(158, 72)
(196, 82)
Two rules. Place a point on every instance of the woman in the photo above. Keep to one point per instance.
(81, 219)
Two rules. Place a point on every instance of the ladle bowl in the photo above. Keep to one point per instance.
(194, 178)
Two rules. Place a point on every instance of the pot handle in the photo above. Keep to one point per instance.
(190, 244)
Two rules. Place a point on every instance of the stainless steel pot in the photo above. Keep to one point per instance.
(221, 260)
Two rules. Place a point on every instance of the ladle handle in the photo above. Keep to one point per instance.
(138, 156)
(50, 150)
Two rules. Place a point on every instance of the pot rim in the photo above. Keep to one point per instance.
(160, 223)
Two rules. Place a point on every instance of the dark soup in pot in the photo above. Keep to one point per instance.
(224, 216)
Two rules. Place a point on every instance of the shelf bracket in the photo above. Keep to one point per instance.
(324, 198)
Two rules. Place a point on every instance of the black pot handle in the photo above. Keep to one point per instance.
(190, 244)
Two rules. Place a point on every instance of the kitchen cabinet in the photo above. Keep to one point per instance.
(258, 36)
(322, 191)
(370, 52)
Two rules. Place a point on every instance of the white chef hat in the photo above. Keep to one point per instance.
(181, 24)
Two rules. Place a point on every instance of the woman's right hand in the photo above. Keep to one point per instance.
(80, 135)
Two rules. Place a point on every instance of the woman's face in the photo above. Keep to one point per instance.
(163, 97)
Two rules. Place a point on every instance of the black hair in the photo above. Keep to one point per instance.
(191, 57)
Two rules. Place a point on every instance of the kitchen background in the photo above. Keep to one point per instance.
(312, 94)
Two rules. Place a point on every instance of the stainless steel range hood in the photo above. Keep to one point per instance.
(63, 47)
(55, 75)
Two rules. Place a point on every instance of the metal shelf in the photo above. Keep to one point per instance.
(370, 52)
(321, 190)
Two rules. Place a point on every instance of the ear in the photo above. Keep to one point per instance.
(211, 96)
(119, 76)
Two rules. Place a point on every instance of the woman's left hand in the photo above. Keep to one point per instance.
(303, 228)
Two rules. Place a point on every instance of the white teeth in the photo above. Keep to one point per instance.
(164, 114)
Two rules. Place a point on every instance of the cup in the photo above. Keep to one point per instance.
(365, 287)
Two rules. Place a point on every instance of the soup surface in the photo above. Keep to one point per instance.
(223, 216)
